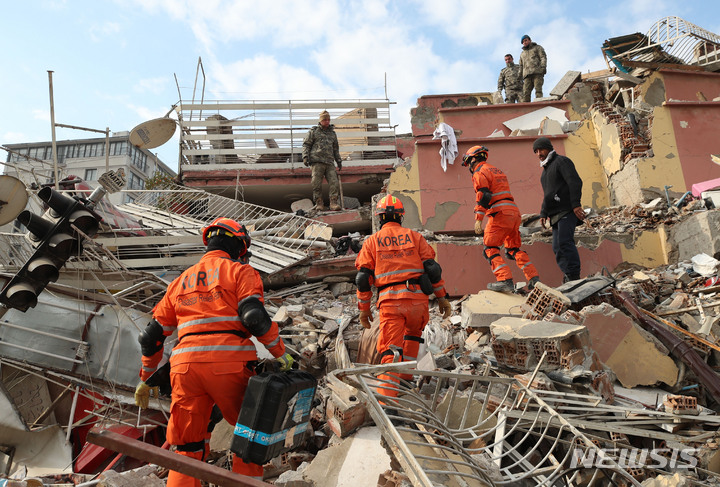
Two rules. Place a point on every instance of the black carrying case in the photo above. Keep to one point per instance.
(274, 416)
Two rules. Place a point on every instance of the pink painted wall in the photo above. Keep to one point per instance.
(685, 85)
(466, 271)
(481, 121)
(424, 115)
(511, 154)
(697, 131)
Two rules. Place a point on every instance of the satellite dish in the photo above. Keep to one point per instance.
(13, 198)
(152, 133)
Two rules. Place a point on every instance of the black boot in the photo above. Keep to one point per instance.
(505, 286)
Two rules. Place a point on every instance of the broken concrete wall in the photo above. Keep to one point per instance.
(626, 187)
(697, 234)
(608, 141)
(633, 354)
(425, 114)
(520, 344)
(405, 184)
(582, 147)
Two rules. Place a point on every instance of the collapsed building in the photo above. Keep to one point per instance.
(564, 385)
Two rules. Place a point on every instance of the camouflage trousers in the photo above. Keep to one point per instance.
(327, 171)
(530, 81)
(512, 96)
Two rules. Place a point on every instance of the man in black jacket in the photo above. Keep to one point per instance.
(561, 208)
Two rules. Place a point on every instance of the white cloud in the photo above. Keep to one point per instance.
(14, 137)
(43, 115)
(265, 77)
(155, 85)
(99, 32)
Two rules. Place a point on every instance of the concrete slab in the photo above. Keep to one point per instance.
(532, 120)
(550, 127)
(566, 83)
(356, 462)
(627, 349)
(347, 221)
(699, 233)
(520, 344)
(304, 204)
(510, 328)
(482, 309)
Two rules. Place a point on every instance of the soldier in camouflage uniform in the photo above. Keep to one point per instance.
(320, 150)
(533, 66)
(510, 80)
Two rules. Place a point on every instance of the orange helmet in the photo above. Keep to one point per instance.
(229, 227)
(389, 205)
(478, 152)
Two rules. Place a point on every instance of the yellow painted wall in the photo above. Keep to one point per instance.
(650, 249)
(664, 167)
(608, 141)
(405, 184)
(582, 148)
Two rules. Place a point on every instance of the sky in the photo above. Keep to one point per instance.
(119, 63)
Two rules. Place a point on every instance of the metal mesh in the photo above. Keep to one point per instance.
(467, 430)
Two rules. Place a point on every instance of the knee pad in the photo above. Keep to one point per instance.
(195, 446)
(488, 256)
(511, 252)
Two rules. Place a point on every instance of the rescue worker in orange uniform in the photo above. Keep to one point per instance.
(493, 199)
(400, 264)
(215, 305)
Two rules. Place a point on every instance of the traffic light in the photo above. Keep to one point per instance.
(55, 241)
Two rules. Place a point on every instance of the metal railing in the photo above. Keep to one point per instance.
(272, 131)
(672, 40)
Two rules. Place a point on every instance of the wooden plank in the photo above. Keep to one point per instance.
(170, 460)
(283, 151)
(338, 122)
(252, 166)
(156, 240)
(603, 73)
(256, 262)
(658, 65)
(297, 134)
(283, 105)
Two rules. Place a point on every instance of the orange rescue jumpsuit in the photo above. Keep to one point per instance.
(493, 198)
(396, 255)
(209, 365)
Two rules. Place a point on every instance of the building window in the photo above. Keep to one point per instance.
(128, 199)
(118, 148)
(138, 159)
(90, 174)
(135, 181)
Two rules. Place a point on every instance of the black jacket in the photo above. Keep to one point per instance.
(562, 186)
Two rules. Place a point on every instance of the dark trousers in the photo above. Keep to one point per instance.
(566, 253)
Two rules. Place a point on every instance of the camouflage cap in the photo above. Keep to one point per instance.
(323, 115)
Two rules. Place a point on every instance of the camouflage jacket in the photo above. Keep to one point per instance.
(533, 60)
(321, 145)
(510, 78)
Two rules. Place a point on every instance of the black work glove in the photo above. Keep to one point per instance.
(306, 162)
(339, 165)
